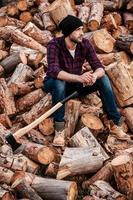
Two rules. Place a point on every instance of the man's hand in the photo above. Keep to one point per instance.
(88, 78)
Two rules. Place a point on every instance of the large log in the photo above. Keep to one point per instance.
(38, 109)
(96, 15)
(84, 138)
(24, 40)
(71, 116)
(125, 42)
(43, 37)
(89, 159)
(7, 99)
(102, 40)
(40, 153)
(25, 190)
(123, 173)
(49, 189)
(29, 100)
(59, 9)
(21, 74)
(122, 82)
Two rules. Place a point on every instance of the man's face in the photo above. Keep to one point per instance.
(77, 35)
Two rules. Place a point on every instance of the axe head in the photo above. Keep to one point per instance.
(12, 141)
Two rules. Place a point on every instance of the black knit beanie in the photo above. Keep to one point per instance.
(70, 24)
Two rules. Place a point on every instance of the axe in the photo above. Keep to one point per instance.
(12, 138)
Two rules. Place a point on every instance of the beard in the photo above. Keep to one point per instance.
(76, 40)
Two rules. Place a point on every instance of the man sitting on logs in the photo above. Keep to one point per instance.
(66, 56)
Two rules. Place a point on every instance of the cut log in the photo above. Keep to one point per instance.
(89, 159)
(128, 113)
(71, 116)
(24, 40)
(98, 38)
(43, 37)
(103, 190)
(123, 173)
(15, 48)
(9, 21)
(95, 16)
(38, 109)
(5, 175)
(49, 188)
(21, 74)
(109, 58)
(7, 100)
(12, 9)
(128, 21)
(59, 9)
(23, 5)
(47, 126)
(21, 89)
(29, 100)
(92, 122)
(5, 32)
(52, 170)
(5, 120)
(125, 42)
(111, 21)
(13, 162)
(122, 82)
(25, 16)
(83, 13)
(84, 138)
(25, 190)
(105, 174)
(40, 153)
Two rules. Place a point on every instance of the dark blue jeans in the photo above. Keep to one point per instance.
(60, 89)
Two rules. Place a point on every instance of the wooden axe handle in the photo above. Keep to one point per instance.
(27, 128)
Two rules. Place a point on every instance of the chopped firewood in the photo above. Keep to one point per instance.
(10, 21)
(5, 175)
(47, 126)
(121, 30)
(5, 120)
(6, 194)
(125, 42)
(25, 16)
(3, 54)
(128, 113)
(12, 9)
(20, 89)
(128, 21)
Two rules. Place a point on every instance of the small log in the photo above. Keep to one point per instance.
(59, 9)
(37, 137)
(35, 59)
(32, 167)
(23, 5)
(96, 15)
(89, 159)
(25, 17)
(109, 58)
(25, 190)
(40, 153)
(125, 42)
(7, 100)
(5, 175)
(29, 100)
(103, 190)
(71, 116)
(13, 162)
(111, 21)
(128, 113)
(92, 122)
(47, 126)
(5, 32)
(122, 82)
(38, 109)
(12, 9)
(128, 21)
(10, 62)
(123, 173)
(121, 30)
(37, 20)
(5, 120)
(21, 74)
(15, 48)
(9, 21)
(83, 13)
(98, 38)
(43, 37)
(84, 138)
(49, 188)
(5, 194)
(24, 40)
(21, 89)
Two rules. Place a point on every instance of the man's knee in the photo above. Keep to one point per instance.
(105, 84)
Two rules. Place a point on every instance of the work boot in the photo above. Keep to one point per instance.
(59, 139)
(117, 131)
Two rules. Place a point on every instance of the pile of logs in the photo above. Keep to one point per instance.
(93, 158)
